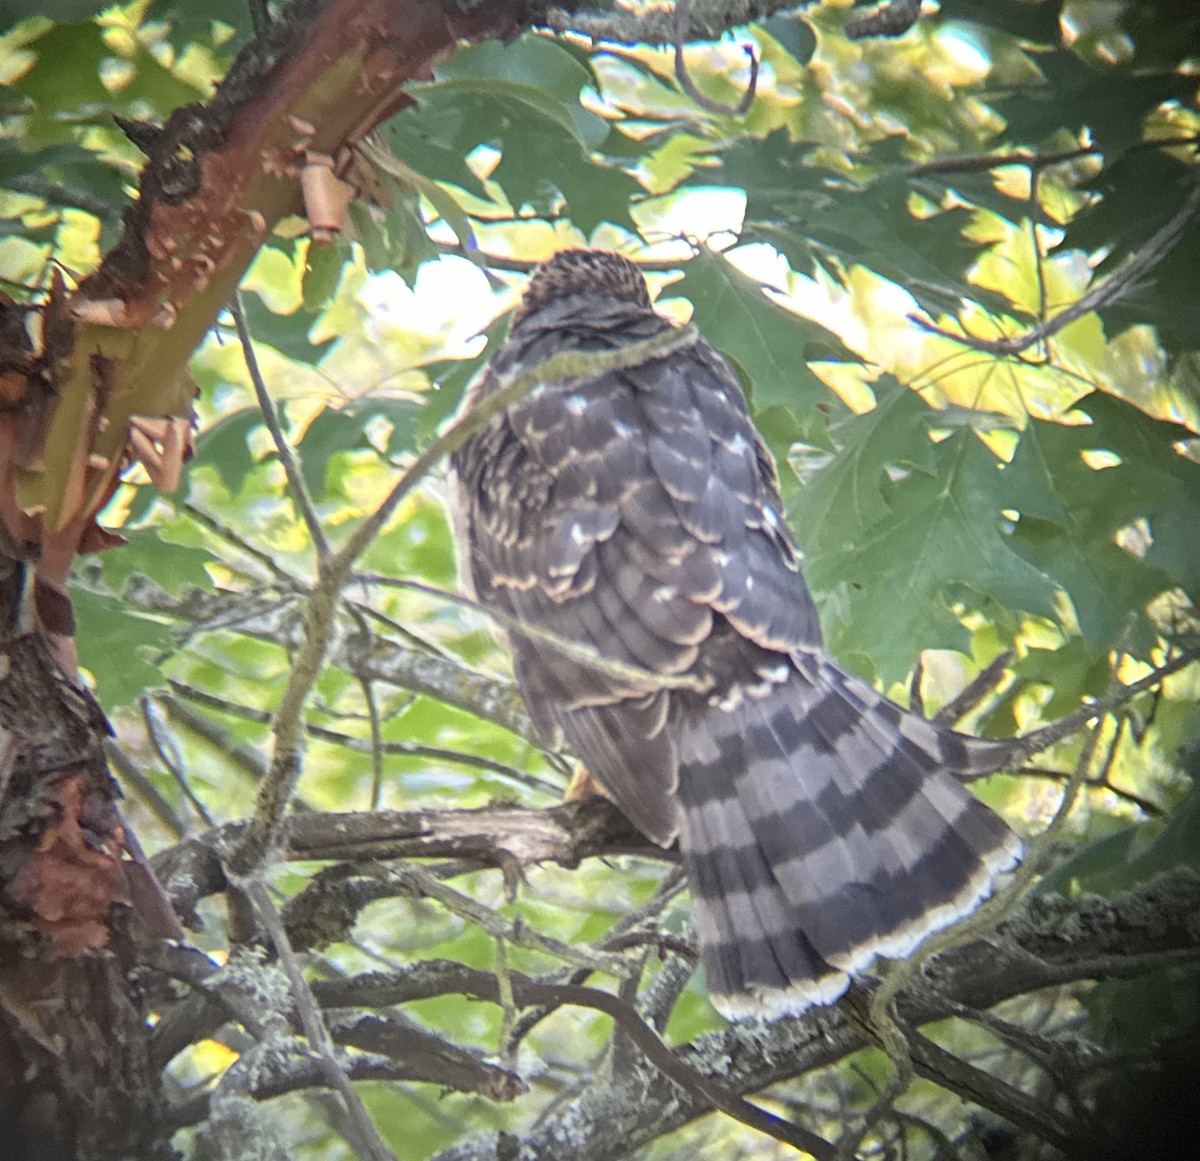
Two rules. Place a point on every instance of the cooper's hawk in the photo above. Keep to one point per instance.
(637, 511)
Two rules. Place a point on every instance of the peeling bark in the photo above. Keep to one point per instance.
(108, 386)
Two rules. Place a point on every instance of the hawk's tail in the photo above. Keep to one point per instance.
(821, 826)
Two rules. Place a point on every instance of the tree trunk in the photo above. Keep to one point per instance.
(75, 1080)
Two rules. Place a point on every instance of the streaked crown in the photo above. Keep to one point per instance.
(583, 272)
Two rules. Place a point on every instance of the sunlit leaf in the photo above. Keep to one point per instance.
(768, 342)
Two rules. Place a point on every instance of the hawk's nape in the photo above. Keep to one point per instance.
(636, 511)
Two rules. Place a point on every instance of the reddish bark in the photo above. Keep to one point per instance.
(73, 877)
(105, 388)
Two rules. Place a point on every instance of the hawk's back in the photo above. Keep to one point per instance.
(636, 512)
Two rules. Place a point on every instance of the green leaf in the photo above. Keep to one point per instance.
(1121, 861)
(68, 176)
(545, 138)
(175, 567)
(322, 272)
(1019, 18)
(116, 644)
(344, 429)
(393, 238)
(225, 446)
(838, 504)
(1111, 103)
(13, 11)
(1138, 194)
(939, 526)
(819, 219)
(533, 60)
(446, 205)
(782, 429)
(1076, 669)
(1071, 512)
(767, 342)
(287, 333)
(67, 98)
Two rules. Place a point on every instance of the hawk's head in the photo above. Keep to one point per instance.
(583, 272)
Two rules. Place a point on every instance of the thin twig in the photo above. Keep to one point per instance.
(420, 882)
(982, 684)
(567, 646)
(1101, 295)
(253, 760)
(221, 529)
(135, 778)
(672, 883)
(988, 1091)
(288, 456)
(169, 756)
(710, 1091)
(1145, 805)
(1039, 263)
(311, 1019)
(1045, 737)
(986, 162)
(689, 86)
(368, 690)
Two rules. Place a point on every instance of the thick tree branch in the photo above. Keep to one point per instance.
(492, 837)
(657, 25)
(1057, 942)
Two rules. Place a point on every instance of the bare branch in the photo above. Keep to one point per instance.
(1057, 942)
(650, 25)
(989, 1092)
(168, 754)
(1045, 737)
(272, 1078)
(1036, 162)
(313, 1023)
(893, 18)
(488, 837)
(682, 28)
(982, 684)
(289, 457)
